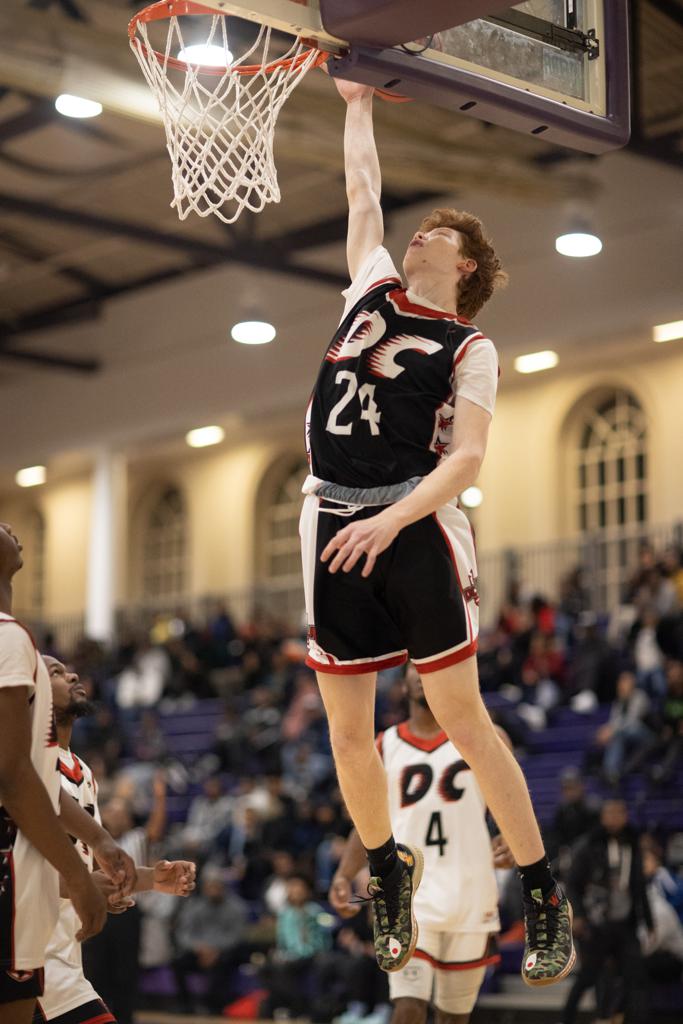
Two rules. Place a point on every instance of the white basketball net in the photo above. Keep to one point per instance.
(220, 127)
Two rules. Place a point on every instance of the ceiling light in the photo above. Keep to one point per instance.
(209, 54)
(578, 244)
(532, 362)
(32, 476)
(77, 106)
(668, 332)
(253, 332)
(202, 437)
(471, 497)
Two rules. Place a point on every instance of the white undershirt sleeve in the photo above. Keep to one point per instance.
(476, 373)
(17, 657)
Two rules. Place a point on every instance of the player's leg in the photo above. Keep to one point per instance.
(454, 697)
(459, 974)
(410, 990)
(350, 706)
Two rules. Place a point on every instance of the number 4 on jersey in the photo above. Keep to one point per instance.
(435, 836)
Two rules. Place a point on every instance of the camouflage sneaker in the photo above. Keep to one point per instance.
(549, 953)
(395, 924)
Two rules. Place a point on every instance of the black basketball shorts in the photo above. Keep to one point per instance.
(419, 602)
(18, 985)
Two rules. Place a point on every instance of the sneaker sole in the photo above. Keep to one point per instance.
(417, 878)
(567, 969)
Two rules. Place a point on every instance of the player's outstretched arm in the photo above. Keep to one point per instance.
(114, 861)
(363, 177)
(353, 860)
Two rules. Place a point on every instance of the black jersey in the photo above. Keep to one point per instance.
(382, 407)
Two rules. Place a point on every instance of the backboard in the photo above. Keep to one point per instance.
(554, 68)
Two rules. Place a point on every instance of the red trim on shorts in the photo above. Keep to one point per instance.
(448, 659)
(103, 1018)
(457, 576)
(357, 668)
(457, 965)
(429, 746)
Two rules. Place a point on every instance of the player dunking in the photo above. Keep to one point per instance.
(397, 427)
(69, 998)
(435, 801)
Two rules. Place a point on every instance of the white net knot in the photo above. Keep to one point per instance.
(220, 123)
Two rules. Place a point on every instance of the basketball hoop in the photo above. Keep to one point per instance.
(219, 120)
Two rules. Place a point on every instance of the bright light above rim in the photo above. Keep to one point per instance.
(209, 54)
(532, 362)
(203, 437)
(471, 497)
(578, 244)
(77, 106)
(32, 476)
(668, 332)
(253, 332)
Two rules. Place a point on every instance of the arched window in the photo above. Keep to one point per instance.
(282, 550)
(611, 481)
(165, 546)
(611, 463)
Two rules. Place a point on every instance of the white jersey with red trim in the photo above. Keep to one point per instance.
(66, 987)
(29, 889)
(382, 409)
(436, 804)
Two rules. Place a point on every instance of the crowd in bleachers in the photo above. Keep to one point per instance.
(211, 739)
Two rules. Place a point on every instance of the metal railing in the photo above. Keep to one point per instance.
(607, 557)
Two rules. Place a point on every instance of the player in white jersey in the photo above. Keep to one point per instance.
(68, 997)
(436, 804)
(33, 844)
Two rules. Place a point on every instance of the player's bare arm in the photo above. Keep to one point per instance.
(353, 860)
(26, 800)
(114, 861)
(370, 537)
(363, 178)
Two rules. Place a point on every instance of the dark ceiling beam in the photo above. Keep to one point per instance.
(95, 286)
(70, 8)
(51, 362)
(40, 113)
(666, 148)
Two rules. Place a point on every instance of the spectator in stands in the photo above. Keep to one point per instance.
(209, 813)
(144, 678)
(208, 934)
(594, 662)
(607, 889)
(302, 934)
(230, 745)
(667, 742)
(275, 893)
(672, 567)
(625, 731)
(647, 656)
(664, 948)
(574, 817)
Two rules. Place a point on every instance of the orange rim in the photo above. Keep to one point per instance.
(165, 9)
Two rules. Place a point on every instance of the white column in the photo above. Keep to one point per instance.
(107, 486)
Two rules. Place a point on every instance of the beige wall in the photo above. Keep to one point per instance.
(526, 494)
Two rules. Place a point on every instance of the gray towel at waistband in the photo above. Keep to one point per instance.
(387, 495)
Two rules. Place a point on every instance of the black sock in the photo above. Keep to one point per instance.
(539, 876)
(384, 859)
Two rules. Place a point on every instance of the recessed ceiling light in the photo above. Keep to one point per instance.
(253, 332)
(209, 54)
(578, 244)
(532, 362)
(77, 106)
(471, 497)
(202, 437)
(668, 332)
(32, 476)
